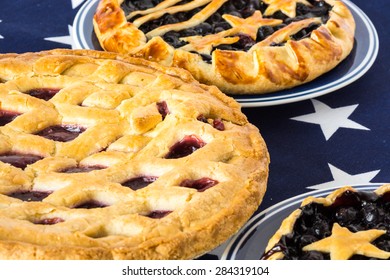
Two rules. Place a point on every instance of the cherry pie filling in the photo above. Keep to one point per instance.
(89, 204)
(49, 221)
(43, 93)
(29, 195)
(162, 108)
(200, 185)
(158, 214)
(61, 133)
(18, 159)
(82, 169)
(7, 117)
(139, 182)
(215, 23)
(357, 211)
(185, 147)
(217, 123)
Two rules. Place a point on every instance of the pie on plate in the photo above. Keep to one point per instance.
(104, 156)
(242, 47)
(346, 224)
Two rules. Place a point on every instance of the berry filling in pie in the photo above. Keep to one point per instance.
(81, 169)
(185, 147)
(221, 22)
(242, 47)
(139, 182)
(29, 195)
(350, 224)
(19, 160)
(200, 185)
(91, 204)
(43, 93)
(49, 221)
(61, 133)
(158, 214)
(7, 117)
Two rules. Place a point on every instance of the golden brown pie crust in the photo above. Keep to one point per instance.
(263, 68)
(115, 97)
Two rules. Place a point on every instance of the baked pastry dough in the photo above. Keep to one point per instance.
(104, 156)
(347, 224)
(243, 47)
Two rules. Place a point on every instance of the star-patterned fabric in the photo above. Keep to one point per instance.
(339, 138)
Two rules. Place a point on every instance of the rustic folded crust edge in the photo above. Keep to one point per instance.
(287, 225)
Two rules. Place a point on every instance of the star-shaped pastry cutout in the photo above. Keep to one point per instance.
(205, 44)
(248, 26)
(331, 119)
(287, 7)
(341, 178)
(343, 244)
(251, 24)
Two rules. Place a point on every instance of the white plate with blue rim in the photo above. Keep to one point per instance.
(352, 68)
(250, 242)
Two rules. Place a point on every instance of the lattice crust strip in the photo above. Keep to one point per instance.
(110, 157)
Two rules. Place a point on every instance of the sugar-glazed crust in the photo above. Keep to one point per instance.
(278, 62)
(134, 112)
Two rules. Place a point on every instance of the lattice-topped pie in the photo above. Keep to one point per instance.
(347, 224)
(243, 47)
(104, 156)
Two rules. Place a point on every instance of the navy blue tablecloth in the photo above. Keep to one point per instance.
(336, 139)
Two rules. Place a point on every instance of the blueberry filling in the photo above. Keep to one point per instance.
(29, 195)
(356, 211)
(90, 204)
(43, 93)
(135, 5)
(19, 160)
(61, 133)
(139, 182)
(82, 169)
(215, 23)
(200, 185)
(7, 117)
(185, 147)
(305, 32)
(158, 214)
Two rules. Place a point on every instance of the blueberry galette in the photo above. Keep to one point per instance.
(240, 46)
(104, 156)
(347, 224)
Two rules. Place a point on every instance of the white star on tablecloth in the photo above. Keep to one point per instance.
(1, 37)
(341, 178)
(330, 119)
(68, 40)
(76, 3)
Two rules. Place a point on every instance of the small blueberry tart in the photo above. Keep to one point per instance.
(346, 225)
